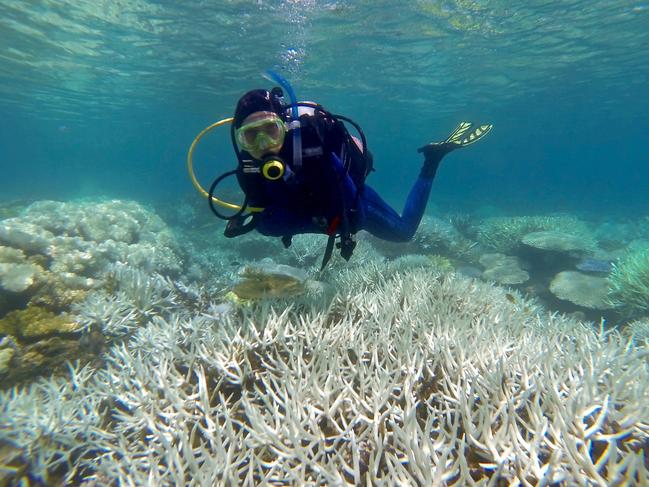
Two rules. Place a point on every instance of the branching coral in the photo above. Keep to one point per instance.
(48, 426)
(638, 331)
(131, 299)
(434, 235)
(408, 378)
(629, 283)
(504, 233)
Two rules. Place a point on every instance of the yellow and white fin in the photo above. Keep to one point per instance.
(457, 137)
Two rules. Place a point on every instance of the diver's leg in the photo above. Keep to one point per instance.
(463, 135)
(383, 222)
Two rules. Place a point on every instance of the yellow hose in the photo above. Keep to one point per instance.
(197, 185)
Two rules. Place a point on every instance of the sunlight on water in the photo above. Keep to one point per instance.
(117, 54)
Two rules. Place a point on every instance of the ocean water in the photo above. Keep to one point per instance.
(506, 344)
(104, 98)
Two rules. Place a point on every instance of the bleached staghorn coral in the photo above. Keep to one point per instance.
(504, 233)
(434, 235)
(405, 379)
(638, 331)
(132, 298)
(46, 427)
(306, 249)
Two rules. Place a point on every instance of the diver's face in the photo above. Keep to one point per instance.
(261, 133)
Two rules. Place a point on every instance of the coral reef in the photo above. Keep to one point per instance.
(9, 209)
(638, 331)
(54, 256)
(7, 352)
(581, 289)
(629, 283)
(503, 234)
(434, 236)
(408, 377)
(35, 321)
(18, 274)
(388, 369)
(79, 240)
(503, 269)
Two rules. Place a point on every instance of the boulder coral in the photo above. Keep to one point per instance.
(55, 256)
(34, 322)
(407, 377)
(18, 274)
(54, 253)
(81, 239)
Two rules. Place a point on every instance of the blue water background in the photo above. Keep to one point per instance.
(103, 98)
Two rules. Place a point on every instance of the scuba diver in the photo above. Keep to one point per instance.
(303, 172)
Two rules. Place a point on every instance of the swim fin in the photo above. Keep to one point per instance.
(457, 136)
(460, 137)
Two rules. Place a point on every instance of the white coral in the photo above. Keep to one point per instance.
(638, 331)
(21, 234)
(412, 379)
(136, 297)
(51, 421)
(83, 238)
(17, 278)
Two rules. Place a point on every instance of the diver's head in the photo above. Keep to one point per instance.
(259, 128)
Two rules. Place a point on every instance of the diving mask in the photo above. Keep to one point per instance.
(262, 132)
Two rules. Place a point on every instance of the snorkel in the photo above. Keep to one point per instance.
(295, 117)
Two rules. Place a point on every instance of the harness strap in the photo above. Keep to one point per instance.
(328, 251)
(333, 225)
